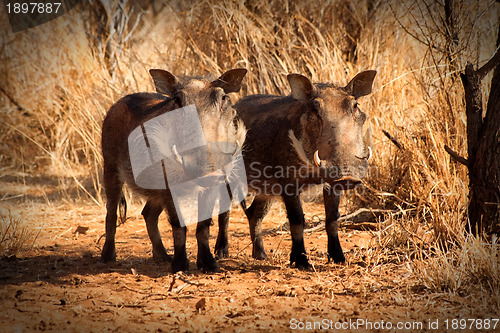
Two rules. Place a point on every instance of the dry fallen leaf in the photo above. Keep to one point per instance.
(201, 305)
(81, 230)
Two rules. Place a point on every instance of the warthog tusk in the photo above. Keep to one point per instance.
(368, 156)
(236, 149)
(178, 156)
(299, 148)
(317, 160)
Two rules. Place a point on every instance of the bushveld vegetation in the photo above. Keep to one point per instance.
(59, 79)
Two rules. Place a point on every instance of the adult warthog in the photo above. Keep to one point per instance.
(218, 124)
(314, 136)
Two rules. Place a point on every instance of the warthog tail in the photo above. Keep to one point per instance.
(122, 209)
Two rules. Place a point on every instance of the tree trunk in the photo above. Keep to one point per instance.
(483, 139)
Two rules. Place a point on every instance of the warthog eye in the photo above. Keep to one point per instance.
(180, 98)
(226, 101)
(316, 105)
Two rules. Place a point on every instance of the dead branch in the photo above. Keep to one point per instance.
(487, 67)
(362, 226)
(456, 157)
(364, 210)
(350, 216)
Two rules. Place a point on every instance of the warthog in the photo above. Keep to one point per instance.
(217, 118)
(314, 136)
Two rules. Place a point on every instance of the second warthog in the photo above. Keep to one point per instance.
(313, 136)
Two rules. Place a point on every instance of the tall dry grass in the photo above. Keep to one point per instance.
(59, 79)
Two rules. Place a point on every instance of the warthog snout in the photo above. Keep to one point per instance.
(332, 136)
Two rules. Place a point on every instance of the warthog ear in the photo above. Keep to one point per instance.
(302, 88)
(361, 84)
(230, 81)
(165, 82)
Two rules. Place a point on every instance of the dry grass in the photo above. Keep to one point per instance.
(60, 78)
(474, 267)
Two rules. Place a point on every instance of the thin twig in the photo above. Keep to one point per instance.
(390, 137)
(194, 283)
(12, 100)
(243, 249)
(143, 292)
(124, 305)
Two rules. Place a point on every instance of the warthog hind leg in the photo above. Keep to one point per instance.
(113, 187)
(151, 212)
(256, 213)
(222, 244)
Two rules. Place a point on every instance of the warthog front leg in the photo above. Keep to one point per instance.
(180, 261)
(206, 202)
(222, 244)
(297, 221)
(205, 261)
(255, 214)
(151, 212)
(332, 199)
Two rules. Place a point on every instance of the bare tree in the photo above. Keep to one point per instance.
(483, 129)
(483, 146)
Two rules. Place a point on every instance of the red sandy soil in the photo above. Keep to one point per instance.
(60, 284)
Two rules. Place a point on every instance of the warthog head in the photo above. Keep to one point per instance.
(223, 131)
(332, 137)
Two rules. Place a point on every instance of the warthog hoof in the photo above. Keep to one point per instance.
(221, 249)
(221, 252)
(337, 257)
(205, 261)
(108, 253)
(162, 256)
(259, 254)
(207, 264)
(300, 260)
(180, 264)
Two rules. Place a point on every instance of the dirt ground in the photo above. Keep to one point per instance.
(60, 284)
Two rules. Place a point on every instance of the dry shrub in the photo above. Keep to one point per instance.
(16, 234)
